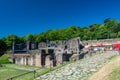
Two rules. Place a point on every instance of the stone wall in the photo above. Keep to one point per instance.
(23, 59)
(103, 41)
(42, 45)
(49, 54)
(70, 46)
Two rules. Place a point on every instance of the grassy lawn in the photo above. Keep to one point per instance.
(4, 59)
(11, 70)
(8, 71)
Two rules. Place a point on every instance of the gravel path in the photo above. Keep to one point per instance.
(79, 70)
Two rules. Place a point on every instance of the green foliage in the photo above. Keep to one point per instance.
(3, 47)
(4, 59)
(30, 37)
(118, 35)
(110, 29)
(107, 20)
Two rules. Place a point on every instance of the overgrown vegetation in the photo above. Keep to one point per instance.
(4, 59)
(114, 75)
(110, 29)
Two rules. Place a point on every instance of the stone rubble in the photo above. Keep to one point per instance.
(79, 70)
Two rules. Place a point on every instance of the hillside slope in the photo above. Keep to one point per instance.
(4, 59)
(79, 70)
(110, 71)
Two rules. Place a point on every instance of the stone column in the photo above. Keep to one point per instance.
(59, 58)
(28, 46)
(31, 59)
(21, 60)
(25, 60)
(38, 59)
(48, 63)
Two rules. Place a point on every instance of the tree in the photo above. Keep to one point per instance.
(107, 20)
(22, 39)
(3, 47)
(30, 37)
(111, 24)
(116, 28)
(113, 35)
(10, 39)
(118, 35)
(110, 29)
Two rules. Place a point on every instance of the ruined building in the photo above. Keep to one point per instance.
(46, 54)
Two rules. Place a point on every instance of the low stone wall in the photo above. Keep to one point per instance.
(103, 41)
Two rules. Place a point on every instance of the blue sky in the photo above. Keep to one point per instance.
(22, 17)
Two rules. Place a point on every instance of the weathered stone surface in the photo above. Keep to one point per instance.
(79, 70)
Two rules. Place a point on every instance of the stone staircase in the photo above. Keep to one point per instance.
(79, 70)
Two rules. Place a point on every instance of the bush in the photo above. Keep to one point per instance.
(4, 59)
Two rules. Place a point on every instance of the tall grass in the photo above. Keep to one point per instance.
(4, 59)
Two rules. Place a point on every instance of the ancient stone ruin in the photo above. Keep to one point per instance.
(51, 53)
(46, 54)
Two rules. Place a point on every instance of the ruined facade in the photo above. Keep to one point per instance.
(47, 54)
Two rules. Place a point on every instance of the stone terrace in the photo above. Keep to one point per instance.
(79, 70)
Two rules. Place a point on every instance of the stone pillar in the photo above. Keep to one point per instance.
(13, 47)
(48, 64)
(31, 59)
(24, 60)
(28, 46)
(38, 60)
(59, 58)
(21, 62)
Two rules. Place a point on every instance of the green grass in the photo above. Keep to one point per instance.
(113, 57)
(11, 70)
(4, 59)
(114, 75)
(21, 66)
(6, 72)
